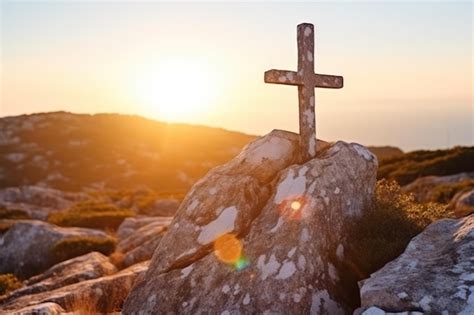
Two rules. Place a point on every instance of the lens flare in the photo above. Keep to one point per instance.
(228, 248)
(296, 205)
(241, 263)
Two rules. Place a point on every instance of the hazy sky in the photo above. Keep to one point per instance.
(407, 66)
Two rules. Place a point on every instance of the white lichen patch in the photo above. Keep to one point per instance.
(340, 252)
(236, 289)
(337, 191)
(269, 268)
(277, 225)
(273, 149)
(363, 152)
(321, 299)
(309, 55)
(225, 289)
(293, 185)
(282, 78)
(332, 272)
(287, 270)
(290, 76)
(425, 303)
(187, 253)
(224, 223)
(194, 204)
(213, 191)
(291, 252)
(402, 295)
(304, 235)
(296, 297)
(307, 31)
(186, 271)
(246, 300)
(312, 146)
(301, 262)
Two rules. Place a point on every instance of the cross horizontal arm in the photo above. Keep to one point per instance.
(282, 77)
(328, 81)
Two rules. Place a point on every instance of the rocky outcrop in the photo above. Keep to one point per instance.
(257, 235)
(42, 309)
(462, 203)
(26, 249)
(140, 245)
(132, 224)
(423, 188)
(37, 201)
(90, 266)
(96, 296)
(434, 275)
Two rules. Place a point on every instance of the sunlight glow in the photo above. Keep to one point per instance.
(177, 89)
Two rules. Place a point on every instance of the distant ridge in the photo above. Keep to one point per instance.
(73, 152)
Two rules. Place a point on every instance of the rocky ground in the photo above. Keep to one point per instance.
(258, 234)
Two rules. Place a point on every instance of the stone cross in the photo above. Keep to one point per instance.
(306, 80)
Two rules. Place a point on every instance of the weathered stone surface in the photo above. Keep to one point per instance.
(90, 266)
(291, 256)
(25, 249)
(41, 309)
(423, 187)
(462, 203)
(226, 199)
(435, 274)
(37, 201)
(96, 296)
(130, 225)
(377, 311)
(140, 245)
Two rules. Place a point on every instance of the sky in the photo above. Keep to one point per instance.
(407, 66)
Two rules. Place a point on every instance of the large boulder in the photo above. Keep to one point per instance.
(27, 248)
(37, 201)
(130, 225)
(141, 244)
(257, 235)
(90, 266)
(227, 199)
(96, 296)
(435, 274)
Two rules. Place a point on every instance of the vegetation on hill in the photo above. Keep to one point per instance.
(71, 152)
(388, 226)
(91, 214)
(410, 166)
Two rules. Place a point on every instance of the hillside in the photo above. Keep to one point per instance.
(71, 152)
(410, 166)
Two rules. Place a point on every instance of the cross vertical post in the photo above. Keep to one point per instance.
(305, 36)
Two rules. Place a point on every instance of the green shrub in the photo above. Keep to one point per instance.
(92, 215)
(77, 246)
(8, 283)
(389, 224)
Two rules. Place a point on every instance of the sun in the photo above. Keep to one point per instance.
(179, 89)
